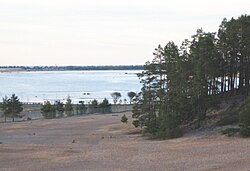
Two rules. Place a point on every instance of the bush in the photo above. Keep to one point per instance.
(230, 131)
(244, 119)
(228, 118)
(136, 123)
(169, 126)
(124, 119)
(245, 131)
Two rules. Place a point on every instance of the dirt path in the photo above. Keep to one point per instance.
(103, 143)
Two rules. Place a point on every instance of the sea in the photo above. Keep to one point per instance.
(40, 86)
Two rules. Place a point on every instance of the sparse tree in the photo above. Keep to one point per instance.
(116, 96)
(131, 95)
(68, 107)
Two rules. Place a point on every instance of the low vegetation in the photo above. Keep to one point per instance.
(230, 131)
(244, 119)
(124, 119)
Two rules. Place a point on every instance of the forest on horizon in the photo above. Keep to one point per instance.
(72, 67)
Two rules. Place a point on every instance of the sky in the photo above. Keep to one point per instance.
(103, 32)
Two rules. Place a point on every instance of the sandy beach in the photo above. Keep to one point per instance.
(103, 143)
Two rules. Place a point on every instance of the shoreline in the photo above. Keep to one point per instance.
(70, 68)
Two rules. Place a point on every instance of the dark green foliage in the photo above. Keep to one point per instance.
(245, 131)
(244, 119)
(228, 118)
(4, 107)
(105, 106)
(60, 109)
(157, 91)
(144, 111)
(48, 111)
(230, 131)
(169, 126)
(93, 106)
(94, 103)
(11, 107)
(181, 84)
(124, 119)
(136, 123)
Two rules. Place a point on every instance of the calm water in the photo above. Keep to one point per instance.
(79, 85)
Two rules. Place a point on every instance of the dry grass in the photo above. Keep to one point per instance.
(103, 143)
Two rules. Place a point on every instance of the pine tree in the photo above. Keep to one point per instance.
(4, 107)
(48, 111)
(179, 85)
(105, 106)
(12, 107)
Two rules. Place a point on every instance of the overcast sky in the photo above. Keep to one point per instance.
(103, 32)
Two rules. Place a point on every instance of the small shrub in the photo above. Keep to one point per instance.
(244, 119)
(124, 119)
(245, 131)
(228, 118)
(136, 123)
(230, 131)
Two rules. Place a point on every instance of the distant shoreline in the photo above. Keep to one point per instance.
(69, 68)
(11, 70)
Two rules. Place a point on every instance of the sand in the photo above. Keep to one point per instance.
(103, 143)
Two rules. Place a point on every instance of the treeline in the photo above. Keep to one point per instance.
(60, 110)
(72, 68)
(12, 108)
(181, 83)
